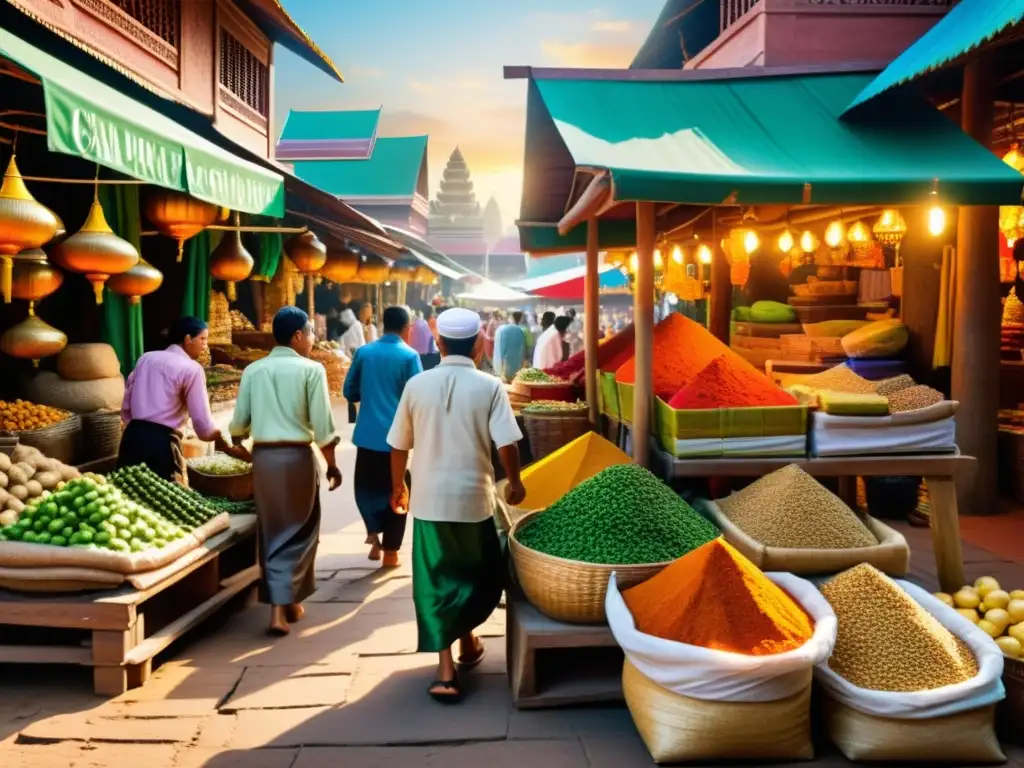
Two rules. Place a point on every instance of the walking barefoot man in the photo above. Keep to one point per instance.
(450, 415)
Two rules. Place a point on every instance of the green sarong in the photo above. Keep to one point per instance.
(457, 579)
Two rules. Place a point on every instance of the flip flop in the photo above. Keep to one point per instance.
(469, 662)
(447, 685)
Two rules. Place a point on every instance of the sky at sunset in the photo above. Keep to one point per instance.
(436, 67)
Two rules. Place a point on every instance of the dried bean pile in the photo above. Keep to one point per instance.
(790, 509)
(912, 398)
(623, 515)
(888, 387)
(886, 641)
(842, 378)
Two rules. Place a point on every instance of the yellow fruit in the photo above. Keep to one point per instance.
(1016, 632)
(970, 614)
(986, 584)
(947, 599)
(999, 617)
(1010, 646)
(989, 628)
(1016, 611)
(966, 598)
(997, 598)
(1017, 594)
(982, 607)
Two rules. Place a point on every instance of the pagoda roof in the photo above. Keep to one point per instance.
(328, 135)
(395, 172)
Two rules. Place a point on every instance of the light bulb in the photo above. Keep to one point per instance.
(677, 255)
(659, 262)
(835, 234)
(936, 221)
(704, 254)
(858, 233)
(808, 242)
(634, 262)
(751, 241)
(786, 241)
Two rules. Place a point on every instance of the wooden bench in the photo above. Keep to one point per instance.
(118, 633)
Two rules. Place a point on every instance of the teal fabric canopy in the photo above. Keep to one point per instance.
(393, 170)
(330, 125)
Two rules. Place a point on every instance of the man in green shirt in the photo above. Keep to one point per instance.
(285, 406)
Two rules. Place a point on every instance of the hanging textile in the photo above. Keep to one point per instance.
(195, 299)
(122, 320)
(268, 256)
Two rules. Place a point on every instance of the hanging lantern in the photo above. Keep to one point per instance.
(60, 233)
(936, 220)
(141, 280)
(677, 254)
(751, 242)
(704, 254)
(306, 252)
(34, 277)
(401, 272)
(96, 252)
(24, 223)
(32, 339)
(835, 239)
(341, 266)
(230, 262)
(634, 262)
(372, 272)
(1011, 217)
(809, 242)
(859, 238)
(786, 241)
(179, 216)
(659, 260)
(424, 275)
(890, 228)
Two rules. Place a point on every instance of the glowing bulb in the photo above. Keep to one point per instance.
(936, 221)
(835, 234)
(704, 254)
(677, 255)
(786, 241)
(634, 262)
(859, 233)
(659, 262)
(751, 241)
(808, 242)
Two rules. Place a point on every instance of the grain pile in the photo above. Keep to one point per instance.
(790, 509)
(888, 387)
(842, 378)
(623, 515)
(886, 641)
(912, 398)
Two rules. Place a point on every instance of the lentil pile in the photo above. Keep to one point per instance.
(842, 378)
(886, 641)
(623, 515)
(790, 509)
(715, 598)
(912, 398)
(888, 387)
(730, 382)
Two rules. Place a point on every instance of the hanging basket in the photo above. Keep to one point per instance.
(101, 434)
(550, 431)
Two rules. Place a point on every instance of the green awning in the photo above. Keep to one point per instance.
(539, 238)
(396, 169)
(968, 25)
(759, 139)
(89, 119)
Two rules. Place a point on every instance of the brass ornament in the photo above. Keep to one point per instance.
(141, 280)
(306, 251)
(24, 223)
(32, 339)
(372, 272)
(34, 277)
(179, 215)
(96, 252)
(230, 262)
(341, 266)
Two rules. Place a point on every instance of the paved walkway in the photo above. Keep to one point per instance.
(344, 690)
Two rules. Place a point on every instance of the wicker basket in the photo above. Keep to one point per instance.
(232, 487)
(101, 434)
(549, 431)
(569, 590)
(61, 441)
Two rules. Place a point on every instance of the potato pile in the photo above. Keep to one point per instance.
(24, 475)
(22, 416)
(1000, 614)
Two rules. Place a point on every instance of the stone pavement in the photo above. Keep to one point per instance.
(345, 689)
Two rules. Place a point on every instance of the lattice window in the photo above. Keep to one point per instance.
(242, 73)
(161, 17)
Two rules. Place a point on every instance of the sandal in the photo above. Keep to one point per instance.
(473, 660)
(446, 685)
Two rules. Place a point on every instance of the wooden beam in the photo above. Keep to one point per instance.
(720, 303)
(643, 322)
(591, 310)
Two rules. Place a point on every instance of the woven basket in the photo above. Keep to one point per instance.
(550, 431)
(101, 434)
(61, 441)
(569, 590)
(232, 487)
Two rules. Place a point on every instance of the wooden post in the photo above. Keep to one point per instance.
(643, 323)
(311, 296)
(720, 303)
(975, 371)
(591, 309)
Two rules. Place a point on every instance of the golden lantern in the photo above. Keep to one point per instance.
(634, 262)
(24, 224)
(809, 242)
(659, 260)
(677, 255)
(341, 266)
(786, 241)
(141, 280)
(890, 228)
(372, 272)
(230, 262)
(704, 254)
(35, 278)
(32, 339)
(1011, 217)
(179, 215)
(751, 242)
(306, 252)
(859, 237)
(96, 252)
(936, 220)
(423, 275)
(401, 272)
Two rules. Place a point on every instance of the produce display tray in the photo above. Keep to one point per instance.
(773, 421)
(608, 394)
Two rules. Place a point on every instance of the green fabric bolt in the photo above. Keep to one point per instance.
(122, 321)
(195, 299)
(268, 256)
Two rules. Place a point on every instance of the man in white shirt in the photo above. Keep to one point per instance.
(548, 351)
(450, 415)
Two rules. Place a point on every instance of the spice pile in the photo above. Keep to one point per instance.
(682, 349)
(622, 516)
(730, 382)
(715, 598)
(555, 406)
(21, 416)
(535, 376)
(790, 509)
(886, 641)
(913, 398)
(889, 387)
(608, 350)
(549, 479)
(239, 322)
(842, 378)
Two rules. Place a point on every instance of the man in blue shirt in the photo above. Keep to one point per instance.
(376, 380)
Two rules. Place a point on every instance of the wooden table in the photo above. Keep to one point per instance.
(119, 632)
(938, 470)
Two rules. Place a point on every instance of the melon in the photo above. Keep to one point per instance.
(88, 362)
(48, 388)
(772, 312)
(883, 338)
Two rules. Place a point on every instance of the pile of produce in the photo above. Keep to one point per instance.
(219, 319)
(88, 379)
(889, 387)
(730, 382)
(179, 505)
(245, 356)
(239, 322)
(715, 598)
(548, 480)
(841, 378)
(886, 641)
(536, 376)
(23, 416)
(999, 613)
(555, 406)
(624, 515)
(220, 464)
(913, 398)
(89, 512)
(608, 350)
(27, 475)
(789, 509)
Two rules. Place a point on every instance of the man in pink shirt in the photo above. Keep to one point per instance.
(164, 390)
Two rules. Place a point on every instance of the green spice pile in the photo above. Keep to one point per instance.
(791, 510)
(912, 398)
(889, 387)
(555, 406)
(886, 641)
(535, 376)
(842, 378)
(623, 515)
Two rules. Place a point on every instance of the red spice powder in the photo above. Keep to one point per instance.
(730, 382)
(619, 346)
(682, 348)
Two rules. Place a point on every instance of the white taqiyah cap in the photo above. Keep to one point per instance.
(458, 323)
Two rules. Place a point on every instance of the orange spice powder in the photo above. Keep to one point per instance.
(715, 598)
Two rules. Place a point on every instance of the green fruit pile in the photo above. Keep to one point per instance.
(179, 505)
(555, 406)
(535, 376)
(91, 513)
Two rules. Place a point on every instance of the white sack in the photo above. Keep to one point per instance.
(842, 439)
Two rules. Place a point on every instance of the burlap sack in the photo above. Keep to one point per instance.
(58, 579)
